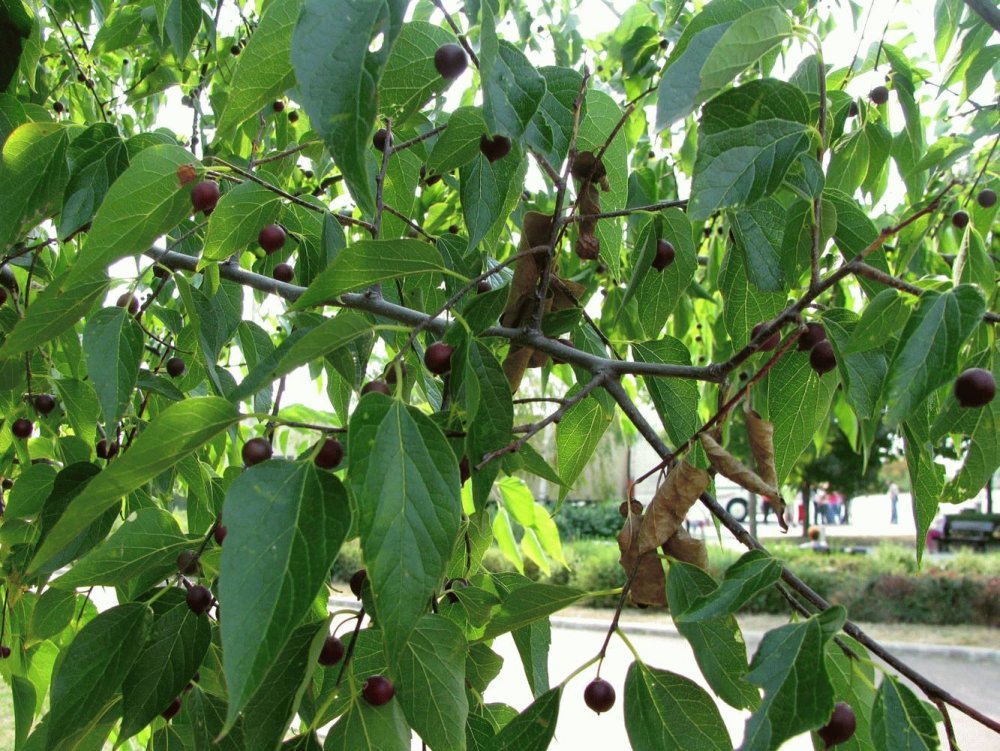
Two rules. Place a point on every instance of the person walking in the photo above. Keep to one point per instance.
(894, 503)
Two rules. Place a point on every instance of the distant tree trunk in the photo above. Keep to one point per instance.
(752, 512)
(989, 495)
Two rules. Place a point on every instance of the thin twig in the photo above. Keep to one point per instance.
(676, 202)
(598, 379)
(288, 152)
(380, 181)
(877, 275)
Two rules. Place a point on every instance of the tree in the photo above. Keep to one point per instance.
(349, 198)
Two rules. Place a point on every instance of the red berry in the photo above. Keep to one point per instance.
(256, 450)
(599, 695)
(821, 358)
(770, 343)
(841, 726)
(450, 61)
(187, 562)
(22, 428)
(330, 455)
(332, 651)
(378, 387)
(219, 533)
(437, 358)
(378, 690)
(271, 238)
(494, 148)
(129, 302)
(879, 95)
(199, 599)
(45, 403)
(205, 195)
(813, 335)
(283, 272)
(106, 449)
(358, 579)
(975, 387)
(664, 255)
(483, 286)
(171, 711)
(176, 367)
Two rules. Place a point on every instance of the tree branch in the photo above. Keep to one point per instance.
(986, 10)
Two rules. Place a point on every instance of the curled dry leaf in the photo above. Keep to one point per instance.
(728, 465)
(761, 435)
(670, 505)
(521, 297)
(684, 547)
(649, 585)
(588, 245)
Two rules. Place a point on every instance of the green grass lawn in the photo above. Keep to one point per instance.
(6, 717)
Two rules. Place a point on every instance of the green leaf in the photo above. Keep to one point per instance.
(237, 220)
(177, 431)
(365, 726)
(406, 486)
(533, 642)
(763, 99)
(602, 114)
(338, 79)
(927, 354)
(23, 696)
(431, 667)
(533, 729)
(143, 204)
(798, 695)
(368, 262)
(264, 68)
(181, 24)
(717, 643)
(271, 710)
(57, 308)
(512, 89)
(551, 128)
(798, 401)
(92, 671)
(745, 306)
(286, 522)
(900, 721)
(410, 79)
(982, 455)
(743, 165)
(926, 475)
(30, 491)
(666, 711)
(141, 551)
(759, 231)
(528, 603)
(485, 189)
(312, 345)
(113, 344)
(751, 37)
(33, 160)
(849, 163)
(459, 144)
(120, 29)
(177, 643)
(53, 611)
(854, 683)
(675, 399)
(883, 317)
(577, 436)
(657, 293)
(754, 572)
(98, 157)
(680, 85)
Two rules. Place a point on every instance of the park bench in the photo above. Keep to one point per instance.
(981, 531)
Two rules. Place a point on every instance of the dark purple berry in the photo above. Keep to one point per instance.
(821, 358)
(332, 651)
(770, 343)
(450, 61)
(599, 695)
(176, 367)
(205, 195)
(271, 238)
(330, 454)
(45, 403)
(975, 387)
(256, 450)
(378, 690)
(841, 726)
(437, 358)
(358, 581)
(22, 428)
(199, 599)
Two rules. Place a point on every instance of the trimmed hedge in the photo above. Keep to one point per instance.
(882, 587)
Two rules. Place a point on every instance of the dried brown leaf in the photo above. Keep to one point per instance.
(728, 465)
(649, 585)
(670, 505)
(684, 547)
(761, 435)
(588, 246)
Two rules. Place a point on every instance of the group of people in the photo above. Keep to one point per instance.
(830, 506)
